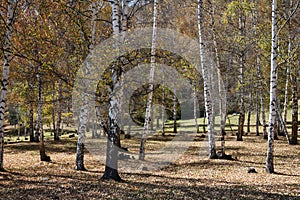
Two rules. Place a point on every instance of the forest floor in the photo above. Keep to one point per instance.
(190, 177)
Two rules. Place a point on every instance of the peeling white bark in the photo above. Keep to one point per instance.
(273, 88)
(151, 78)
(207, 91)
(5, 73)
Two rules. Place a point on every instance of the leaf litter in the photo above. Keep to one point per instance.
(190, 177)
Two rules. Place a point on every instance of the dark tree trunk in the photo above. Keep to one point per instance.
(31, 124)
(249, 122)
(241, 127)
(43, 155)
(175, 114)
(163, 106)
(128, 136)
(53, 110)
(249, 113)
(111, 173)
(257, 123)
(59, 111)
(152, 120)
(223, 133)
(295, 108)
(39, 120)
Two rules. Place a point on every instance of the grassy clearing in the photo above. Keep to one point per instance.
(190, 177)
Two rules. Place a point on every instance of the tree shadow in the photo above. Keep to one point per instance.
(284, 174)
(87, 185)
(63, 145)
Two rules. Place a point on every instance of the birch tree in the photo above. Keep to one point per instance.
(113, 140)
(273, 88)
(5, 73)
(207, 90)
(151, 78)
(218, 62)
(125, 9)
(83, 117)
(242, 79)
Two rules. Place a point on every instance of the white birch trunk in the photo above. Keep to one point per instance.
(123, 28)
(207, 91)
(113, 139)
(5, 75)
(286, 91)
(124, 22)
(83, 117)
(273, 88)
(115, 16)
(221, 106)
(151, 78)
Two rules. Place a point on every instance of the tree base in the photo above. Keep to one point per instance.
(81, 169)
(111, 174)
(34, 139)
(45, 158)
(270, 171)
(225, 157)
(214, 156)
(127, 136)
(294, 142)
(3, 170)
